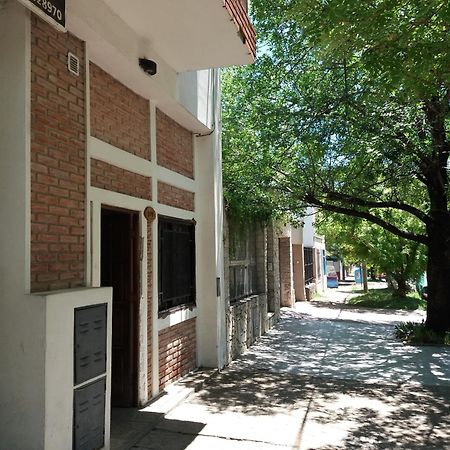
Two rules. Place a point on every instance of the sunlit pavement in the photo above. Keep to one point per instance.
(327, 377)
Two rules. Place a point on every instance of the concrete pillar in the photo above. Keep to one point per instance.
(286, 275)
(273, 272)
(261, 258)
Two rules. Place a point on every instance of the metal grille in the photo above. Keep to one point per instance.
(309, 265)
(243, 271)
(176, 263)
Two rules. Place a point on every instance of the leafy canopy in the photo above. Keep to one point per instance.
(337, 111)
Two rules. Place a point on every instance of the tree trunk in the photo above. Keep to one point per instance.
(364, 276)
(438, 277)
(402, 287)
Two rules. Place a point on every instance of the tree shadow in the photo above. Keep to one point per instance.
(370, 415)
(134, 428)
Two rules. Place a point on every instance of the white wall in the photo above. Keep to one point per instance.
(297, 236)
(59, 362)
(22, 317)
(308, 228)
(209, 239)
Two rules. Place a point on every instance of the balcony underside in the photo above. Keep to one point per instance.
(191, 34)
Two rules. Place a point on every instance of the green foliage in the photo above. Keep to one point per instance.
(419, 334)
(405, 45)
(347, 109)
(386, 299)
(358, 240)
(311, 124)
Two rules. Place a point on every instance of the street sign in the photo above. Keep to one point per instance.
(52, 11)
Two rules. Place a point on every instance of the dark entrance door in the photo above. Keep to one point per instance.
(120, 269)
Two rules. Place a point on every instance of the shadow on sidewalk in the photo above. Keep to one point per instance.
(134, 428)
(366, 416)
(345, 349)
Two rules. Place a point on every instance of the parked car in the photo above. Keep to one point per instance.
(332, 279)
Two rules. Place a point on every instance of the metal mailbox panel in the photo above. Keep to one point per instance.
(90, 342)
(89, 416)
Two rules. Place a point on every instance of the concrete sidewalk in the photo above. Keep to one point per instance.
(327, 377)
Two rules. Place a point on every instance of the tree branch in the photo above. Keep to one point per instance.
(372, 204)
(310, 198)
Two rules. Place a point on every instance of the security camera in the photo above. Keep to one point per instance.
(148, 66)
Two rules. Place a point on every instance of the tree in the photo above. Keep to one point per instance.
(347, 109)
(402, 260)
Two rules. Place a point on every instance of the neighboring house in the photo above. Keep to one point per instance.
(292, 266)
(252, 283)
(110, 176)
(314, 256)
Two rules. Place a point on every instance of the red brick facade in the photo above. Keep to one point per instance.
(177, 352)
(119, 116)
(113, 178)
(58, 160)
(173, 196)
(174, 146)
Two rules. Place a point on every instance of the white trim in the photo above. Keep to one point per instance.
(175, 179)
(96, 243)
(117, 199)
(89, 207)
(117, 157)
(153, 152)
(176, 317)
(99, 197)
(155, 339)
(143, 317)
(154, 388)
(27, 56)
(176, 213)
(110, 154)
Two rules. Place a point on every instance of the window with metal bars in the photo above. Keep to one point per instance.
(309, 265)
(176, 265)
(243, 272)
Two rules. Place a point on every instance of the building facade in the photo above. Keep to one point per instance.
(252, 283)
(111, 270)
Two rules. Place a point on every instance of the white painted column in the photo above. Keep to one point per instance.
(211, 333)
(22, 317)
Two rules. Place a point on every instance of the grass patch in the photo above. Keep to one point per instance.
(386, 299)
(418, 334)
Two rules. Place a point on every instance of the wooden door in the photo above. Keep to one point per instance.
(120, 269)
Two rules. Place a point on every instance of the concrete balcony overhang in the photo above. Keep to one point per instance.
(192, 34)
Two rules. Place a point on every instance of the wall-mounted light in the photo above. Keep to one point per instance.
(148, 66)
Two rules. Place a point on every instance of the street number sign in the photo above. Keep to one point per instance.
(52, 11)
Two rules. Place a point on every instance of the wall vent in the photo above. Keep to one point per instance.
(73, 64)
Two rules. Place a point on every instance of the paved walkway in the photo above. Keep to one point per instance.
(327, 377)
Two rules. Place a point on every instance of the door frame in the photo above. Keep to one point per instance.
(136, 243)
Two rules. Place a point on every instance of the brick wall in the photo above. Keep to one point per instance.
(113, 178)
(177, 352)
(173, 196)
(58, 159)
(174, 146)
(119, 116)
